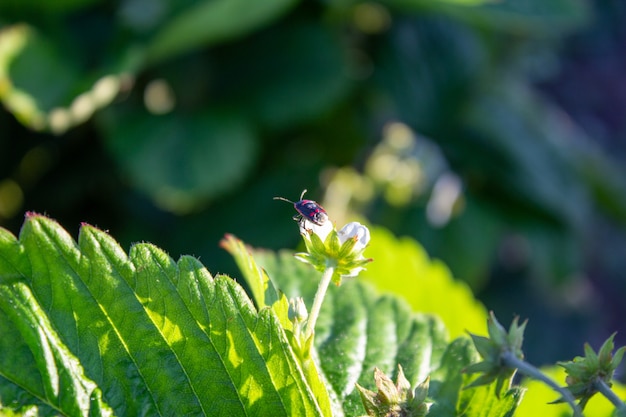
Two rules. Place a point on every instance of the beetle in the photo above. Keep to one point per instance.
(307, 210)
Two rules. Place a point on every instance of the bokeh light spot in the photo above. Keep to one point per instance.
(159, 97)
(371, 18)
(11, 198)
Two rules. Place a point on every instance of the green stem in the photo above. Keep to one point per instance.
(604, 389)
(319, 298)
(510, 360)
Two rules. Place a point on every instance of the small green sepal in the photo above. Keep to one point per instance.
(493, 350)
(589, 374)
(342, 250)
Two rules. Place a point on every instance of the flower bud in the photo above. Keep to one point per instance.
(395, 400)
(297, 310)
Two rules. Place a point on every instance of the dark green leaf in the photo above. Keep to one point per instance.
(60, 6)
(528, 17)
(43, 84)
(209, 22)
(36, 74)
(617, 357)
(291, 84)
(182, 160)
(291, 73)
(606, 350)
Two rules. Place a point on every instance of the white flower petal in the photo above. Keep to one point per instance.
(321, 231)
(350, 230)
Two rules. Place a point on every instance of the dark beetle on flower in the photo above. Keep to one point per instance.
(307, 210)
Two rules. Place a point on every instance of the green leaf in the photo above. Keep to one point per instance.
(152, 335)
(27, 62)
(42, 83)
(358, 330)
(528, 17)
(32, 354)
(591, 357)
(551, 179)
(262, 288)
(290, 84)
(249, 269)
(483, 401)
(63, 384)
(617, 357)
(447, 381)
(485, 347)
(209, 22)
(181, 160)
(605, 353)
(401, 266)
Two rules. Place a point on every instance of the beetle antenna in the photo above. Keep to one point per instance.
(302, 195)
(284, 199)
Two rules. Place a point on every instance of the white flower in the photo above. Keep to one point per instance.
(342, 249)
(361, 235)
(350, 230)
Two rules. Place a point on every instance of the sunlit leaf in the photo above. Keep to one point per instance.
(93, 327)
(358, 330)
(263, 291)
(402, 267)
(482, 401)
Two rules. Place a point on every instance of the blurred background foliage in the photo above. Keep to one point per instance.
(493, 133)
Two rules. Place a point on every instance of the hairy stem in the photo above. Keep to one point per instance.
(319, 298)
(527, 369)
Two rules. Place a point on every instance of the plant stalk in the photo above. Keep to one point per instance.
(605, 390)
(319, 298)
(527, 369)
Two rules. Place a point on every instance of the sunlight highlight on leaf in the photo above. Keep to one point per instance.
(155, 336)
(401, 266)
